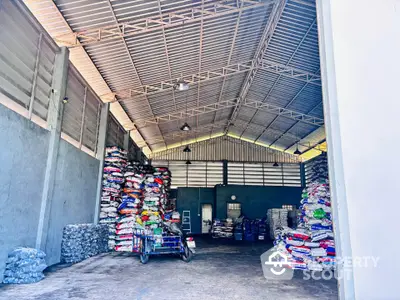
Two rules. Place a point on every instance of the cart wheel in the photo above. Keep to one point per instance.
(187, 255)
(144, 258)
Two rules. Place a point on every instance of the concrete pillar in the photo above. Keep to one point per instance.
(54, 119)
(100, 152)
(127, 137)
(224, 172)
(359, 47)
(303, 174)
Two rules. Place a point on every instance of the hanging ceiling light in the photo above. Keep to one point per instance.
(187, 149)
(275, 164)
(297, 152)
(188, 162)
(186, 127)
(181, 85)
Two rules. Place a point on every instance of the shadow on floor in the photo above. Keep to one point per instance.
(220, 270)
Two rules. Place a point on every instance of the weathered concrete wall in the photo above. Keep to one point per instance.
(74, 195)
(23, 154)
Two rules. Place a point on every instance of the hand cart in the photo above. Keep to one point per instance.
(163, 244)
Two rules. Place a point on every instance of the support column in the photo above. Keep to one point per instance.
(359, 68)
(127, 137)
(100, 152)
(303, 175)
(225, 172)
(54, 120)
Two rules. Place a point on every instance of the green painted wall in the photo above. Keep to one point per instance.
(255, 200)
(191, 199)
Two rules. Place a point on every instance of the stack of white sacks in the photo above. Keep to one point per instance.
(276, 218)
(311, 246)
(113, 180)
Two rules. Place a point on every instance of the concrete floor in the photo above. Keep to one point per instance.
(228, 270)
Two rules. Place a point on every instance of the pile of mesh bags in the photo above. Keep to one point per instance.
(113, 181)
(276, 218)
(24, 265)
(129, 224)
(81, 241)
(311, 246)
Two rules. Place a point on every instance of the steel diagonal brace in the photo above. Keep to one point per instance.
(166, 20)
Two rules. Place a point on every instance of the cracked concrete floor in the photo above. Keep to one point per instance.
(220, 270)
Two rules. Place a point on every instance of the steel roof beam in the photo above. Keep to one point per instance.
(295, 125)
(274, 18)
(229, 58)
(190, 112)
(290, 72)
(130, 59)
(219, 73)
(193, 112)
(280, 75)
(190, 79)
(166, 20)
(284, 112)
(180, 134)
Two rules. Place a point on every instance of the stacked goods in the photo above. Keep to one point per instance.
(277, 218)
(311, 245)
(317, 169)
(156, 187)
(250, 229)
(113, 180)
(25, 265)
(172, 216)
(81, 241)
(238, 229)
(154, 194)
(262, 229)
(222, 229)
(129, 222)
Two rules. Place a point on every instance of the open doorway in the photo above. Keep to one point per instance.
(206, 218)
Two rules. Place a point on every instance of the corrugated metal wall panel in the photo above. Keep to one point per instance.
(209, 174)
(115, 133)
(198, 174)
(27, 55)
(80, 124)
(226, 148)
(264, 174)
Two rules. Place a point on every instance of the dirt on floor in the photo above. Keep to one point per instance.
(219, 270)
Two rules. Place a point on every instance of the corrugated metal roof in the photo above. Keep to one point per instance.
(206, 41)
(226, 148)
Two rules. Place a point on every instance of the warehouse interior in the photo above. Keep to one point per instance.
(238, 100)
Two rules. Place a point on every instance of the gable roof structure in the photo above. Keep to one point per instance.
(252, 66)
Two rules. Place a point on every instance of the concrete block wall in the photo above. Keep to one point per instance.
(23, 155)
